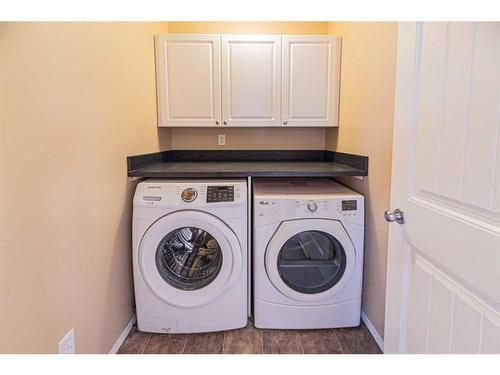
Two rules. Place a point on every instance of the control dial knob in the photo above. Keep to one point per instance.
(189, 194)
(312, 206)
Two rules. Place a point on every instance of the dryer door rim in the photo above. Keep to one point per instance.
(229, 273)
(288, 229)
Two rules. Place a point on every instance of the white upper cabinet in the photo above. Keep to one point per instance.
(188, 80)
(311, 68)
(247, 80)
(251, 80)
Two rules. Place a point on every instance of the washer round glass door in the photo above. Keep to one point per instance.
(188, 258)
(310, 259)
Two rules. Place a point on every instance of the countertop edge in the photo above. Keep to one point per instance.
(356, 165)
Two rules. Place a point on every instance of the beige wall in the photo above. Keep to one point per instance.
(75, 99)
(366, 121)
(256, 138)
(249, 139)
(298, 28)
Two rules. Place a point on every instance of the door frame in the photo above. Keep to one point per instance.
(405, 122)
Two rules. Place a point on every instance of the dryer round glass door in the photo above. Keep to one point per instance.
(189, 258)
(311, 262)
(310, 259)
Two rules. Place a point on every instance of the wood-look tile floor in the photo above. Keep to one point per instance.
(250, 340)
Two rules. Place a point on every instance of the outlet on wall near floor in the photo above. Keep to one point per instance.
(221, 140)
(67, 343)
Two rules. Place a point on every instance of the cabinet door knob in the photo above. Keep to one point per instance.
(225, 122)
(217, 122)
(285, 122)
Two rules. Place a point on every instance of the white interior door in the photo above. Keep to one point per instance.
(188, 80)
(443, 282)
(251, 80)
(311, 77)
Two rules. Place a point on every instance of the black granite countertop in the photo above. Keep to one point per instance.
(236, 163)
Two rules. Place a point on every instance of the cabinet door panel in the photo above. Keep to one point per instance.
(251, 80)
(188, 74)
(311, 67)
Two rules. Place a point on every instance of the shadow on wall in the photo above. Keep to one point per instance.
(122, 264)
(333, 138)
(375, 189)
(373, 263)
(165, 139)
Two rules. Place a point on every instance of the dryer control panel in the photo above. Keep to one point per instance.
(349, 207)
(268, 210)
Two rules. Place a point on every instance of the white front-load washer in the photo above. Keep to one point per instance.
(190, 255)
(308, 254)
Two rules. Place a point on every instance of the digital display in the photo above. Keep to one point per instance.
(351, 205)
(220, 194)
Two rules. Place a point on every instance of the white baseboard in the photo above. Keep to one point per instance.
(373, 331)
(123, 336)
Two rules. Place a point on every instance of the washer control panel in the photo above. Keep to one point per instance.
(192, 194)
(220, 193)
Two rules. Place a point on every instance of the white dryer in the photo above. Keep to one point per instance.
(190, 255)
(308, 254)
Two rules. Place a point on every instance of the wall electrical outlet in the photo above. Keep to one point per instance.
(67, 343)
(221, 139)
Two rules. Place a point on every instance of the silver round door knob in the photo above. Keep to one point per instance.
(225, 122)
(285, 122)
(397, 215)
